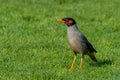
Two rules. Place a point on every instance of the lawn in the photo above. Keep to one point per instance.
(34, 46)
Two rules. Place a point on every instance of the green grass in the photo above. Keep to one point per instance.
(33, 45)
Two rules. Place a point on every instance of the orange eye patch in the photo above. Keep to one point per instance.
(68, 21)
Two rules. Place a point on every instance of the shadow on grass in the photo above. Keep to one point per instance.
(102, 63)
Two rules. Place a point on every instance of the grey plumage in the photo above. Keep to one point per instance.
(78, 42)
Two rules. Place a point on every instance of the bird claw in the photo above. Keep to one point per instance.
(71, 68)
(80, 68)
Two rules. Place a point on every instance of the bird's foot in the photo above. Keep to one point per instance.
(71, 68)
(80, 68)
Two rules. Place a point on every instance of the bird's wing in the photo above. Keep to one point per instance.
(88, 44)
(90, 47)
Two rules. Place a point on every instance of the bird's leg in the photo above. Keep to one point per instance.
(74, 59)
(81, 61)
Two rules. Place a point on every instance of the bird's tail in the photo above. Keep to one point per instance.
(92, 56)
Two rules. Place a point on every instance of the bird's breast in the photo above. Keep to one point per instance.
(75, 40)
(75, 43)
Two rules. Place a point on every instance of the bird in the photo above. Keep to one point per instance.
(78, 42)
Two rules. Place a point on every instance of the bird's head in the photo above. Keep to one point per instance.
(67, 21)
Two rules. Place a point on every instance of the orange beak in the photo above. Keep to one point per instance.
(60, 20)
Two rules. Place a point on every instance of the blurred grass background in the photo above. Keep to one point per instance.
(33, 45)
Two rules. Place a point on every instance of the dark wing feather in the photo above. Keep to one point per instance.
(90, 47)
